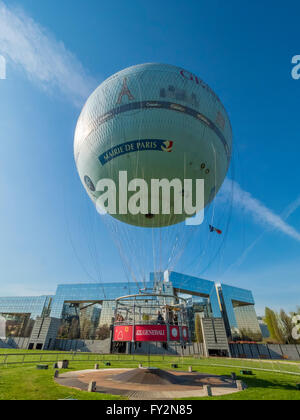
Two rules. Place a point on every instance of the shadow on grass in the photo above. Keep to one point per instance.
(253, 382)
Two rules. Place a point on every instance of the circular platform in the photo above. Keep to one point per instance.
(148, 383)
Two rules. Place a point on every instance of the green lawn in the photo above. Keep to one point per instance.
(28, 383)
(25, 382)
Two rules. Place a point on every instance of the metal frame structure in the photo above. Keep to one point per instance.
(151, 317)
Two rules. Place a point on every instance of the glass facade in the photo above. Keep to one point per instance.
(195, 287)
(21, 312)
(246, 318)
(80, 320)
(80, 305)
(107, 313)
(238, 311)
(91, 293)
(35, 306)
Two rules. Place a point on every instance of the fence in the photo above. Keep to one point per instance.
(32, 358)
(240, 351)
(265, 351)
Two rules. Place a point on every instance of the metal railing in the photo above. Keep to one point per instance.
(32, 358)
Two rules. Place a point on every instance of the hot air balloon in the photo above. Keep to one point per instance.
(153, 122)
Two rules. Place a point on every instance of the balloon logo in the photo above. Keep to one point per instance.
(168, 145)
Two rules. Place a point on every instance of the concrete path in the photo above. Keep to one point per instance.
(105, 383)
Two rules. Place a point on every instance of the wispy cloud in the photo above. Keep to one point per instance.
(295, 205)
(291, 208)
(260, 214)
(45, 60)
(49, 63)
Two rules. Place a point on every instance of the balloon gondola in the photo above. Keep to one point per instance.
(151, 317)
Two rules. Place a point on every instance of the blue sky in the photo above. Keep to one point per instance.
(58, 52)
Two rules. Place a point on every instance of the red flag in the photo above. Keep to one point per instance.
(213, 229)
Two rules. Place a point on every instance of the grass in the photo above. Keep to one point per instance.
(25, 382)
(28, 383)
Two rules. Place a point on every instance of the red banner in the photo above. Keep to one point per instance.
(174, 333)
(151, 333)
(185, 334)
(123, 333)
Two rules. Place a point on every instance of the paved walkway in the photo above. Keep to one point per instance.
(192, 385)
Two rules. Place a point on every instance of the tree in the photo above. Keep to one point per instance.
(85, 330)
(288, 327)
(74, 330)
(275, 329)
(29, 328)
(103, 332)
(269, 321)
(246, 334)
(63, 331)
(198, 329)
(145, 317)
(281, 326)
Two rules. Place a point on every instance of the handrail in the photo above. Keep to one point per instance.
(198, 360)
(151, 295)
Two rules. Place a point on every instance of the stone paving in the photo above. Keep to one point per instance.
(189, 384)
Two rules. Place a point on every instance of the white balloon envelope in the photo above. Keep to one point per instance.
(154, 122)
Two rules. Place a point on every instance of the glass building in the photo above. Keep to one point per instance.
(83, 305)
(238, 311)
(199, 290)
(21, 312)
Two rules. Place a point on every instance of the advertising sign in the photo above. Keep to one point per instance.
(151, 333)
(174, 333)
(185, 334)
(123, 333)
